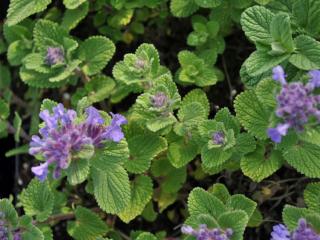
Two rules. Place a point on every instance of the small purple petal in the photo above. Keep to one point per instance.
(54, 55)
(280, 232)
(277, 133)
(279, 75)
(118, 119)
(315, 78)
(94, 116)
(41, 171)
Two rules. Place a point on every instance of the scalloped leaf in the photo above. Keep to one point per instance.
(258, 165)
(111, 188)
(72, 4)
(202, 202)
(146, 236)
(241, 202)
(236, 220)
(72, 17)
(307, 53)
(312, 196)
(252, 114)
(304, 157)
(10, 213)
(78, 171)
(143, 148)
(141, 193)
(21, 9)
(291, 215)
(88, 225)
(255, 22)
(37, 200)
(183, 8)
(95, 52)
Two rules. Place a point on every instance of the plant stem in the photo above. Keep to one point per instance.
(23, 134)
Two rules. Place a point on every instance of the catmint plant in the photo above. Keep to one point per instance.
(296, 104)
(63, 136)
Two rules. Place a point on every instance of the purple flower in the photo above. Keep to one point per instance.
(279, 75)
(54, 55)
(203, 233)
(280, 232)
(296, 104)
(62, 136)
(302, 232)
(314, 78)
(277, 133)
(159, 100)
(218, 138)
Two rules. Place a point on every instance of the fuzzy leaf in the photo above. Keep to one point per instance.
(72, 17)
(208, 3)
(111, 188)
(304, 158)
(281, 31)
(255, 22)
(21, 9)
(37, 200)
(78, 171)
(258, 166)
(241, 202)
(183, 8)
(202, 202)
(141, 193)
(96, 52)
(251, 114)
(10, 213)
(312, 196)
(88, 225)
(143, 148)
(307, 54)
(236, 220)
(72, 4)
(146, 236)
(291, 215)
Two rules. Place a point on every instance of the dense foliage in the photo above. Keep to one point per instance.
(119, 114)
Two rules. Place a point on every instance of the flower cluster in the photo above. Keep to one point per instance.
(4, 231)
(302, 232)
(159, 100)
(218, 137)
(203, 233)
(62, 136)
(296, 104)
(54, 55)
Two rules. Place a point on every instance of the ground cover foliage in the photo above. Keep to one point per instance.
(161, 119)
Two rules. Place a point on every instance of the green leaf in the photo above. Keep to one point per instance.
(10, 213)
(30, 231)
(304, 158)
(208, 3)
(72, 4)
(111, 188)
(307, 15)
(256, 219)
(143, 148)
(214, 157)
(229, 121)
(112, 153)
(245, 143)
(17, 52)
(96, 52)
(266, 91)
(48, 104)
(21, 9)
(19, 150)
(236, 220)
(48, 34)
(307, 54)
(260, 164)
(37, 200)
(146, 236)
(78, 171)
(256, 23)
(291, 215)
(183, 8)
(4, 109)
(5, 77)
(199, 96)
(220, 191)
(251, 114)
(72, 17)
(260, 62)
(202, 202)
(88, 225)
(281, 31)
(312, 196)
(141, 193)
(17, 122)
(195, 70)
(241, 202)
